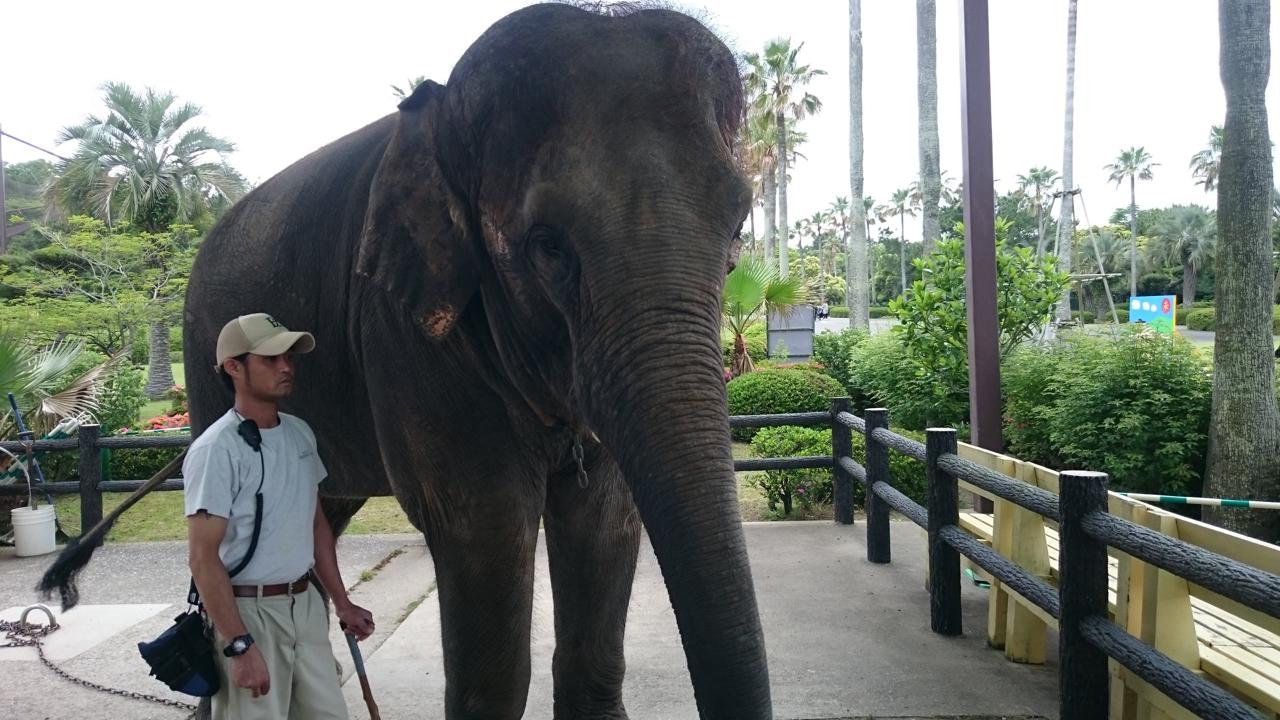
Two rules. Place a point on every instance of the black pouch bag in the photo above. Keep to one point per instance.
(182, 656)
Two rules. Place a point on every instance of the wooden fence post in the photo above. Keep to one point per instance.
(944, 560)
(90, 476)
(841, 446)
(878, 549)
(1082, 590)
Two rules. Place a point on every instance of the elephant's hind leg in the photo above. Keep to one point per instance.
(593, 536)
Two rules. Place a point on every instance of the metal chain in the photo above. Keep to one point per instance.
(583, 480)
(24, 634)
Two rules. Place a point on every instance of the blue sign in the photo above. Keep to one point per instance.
(1158, 311)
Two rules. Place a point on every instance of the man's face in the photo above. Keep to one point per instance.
(265, 377)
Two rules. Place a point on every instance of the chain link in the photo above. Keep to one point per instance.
(24, 634)
(583, 480)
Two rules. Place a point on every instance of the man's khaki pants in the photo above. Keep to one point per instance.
(292, 633)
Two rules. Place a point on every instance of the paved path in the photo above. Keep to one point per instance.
(846, 638)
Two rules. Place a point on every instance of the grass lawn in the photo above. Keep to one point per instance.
(159, 517)
(160, 407)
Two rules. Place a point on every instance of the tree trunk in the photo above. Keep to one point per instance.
(755, 239)
(902, 251)
(770, 191)
(742, 363)
(783, 229)
(1244, 429)
(1039, 226)
(927, 107)
(159, 374)
(856, 296)
(1188, 285)
(1065, 224)
(1133, 237)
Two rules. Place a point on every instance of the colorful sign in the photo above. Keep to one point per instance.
(1158, 311)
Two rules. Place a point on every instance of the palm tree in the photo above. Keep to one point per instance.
(1038, 180)
(751, 291)
(1187, 236)
(857, 247)
(1244, 426)
(1204, 164)
(927, 108)
(409, 87)
(1133, 164)
(1066, 227)
(775, 78)
(902, 206)
(757, 152)
(43, 384)
(838, 212)
(147, 164)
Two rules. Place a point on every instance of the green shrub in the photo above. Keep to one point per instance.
(137, 464)
(175, 357)
(754, 337)
(122, 399)
(838, 311)
(833, 351)
(878, 312)
(809, 487)
(1201, 319)
(881, 370)
(1135, 407)
(767, 392)
(1084, 317)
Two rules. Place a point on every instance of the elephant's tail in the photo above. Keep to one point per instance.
(61, 575)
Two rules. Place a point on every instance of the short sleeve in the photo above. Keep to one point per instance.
(208, 475)
(313, 466)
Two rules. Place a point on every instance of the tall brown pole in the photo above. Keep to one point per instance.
(980, 232)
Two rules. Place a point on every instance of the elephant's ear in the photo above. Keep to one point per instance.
(415, 242)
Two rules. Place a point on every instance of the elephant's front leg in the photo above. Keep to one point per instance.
(482, 538)
(593, 536)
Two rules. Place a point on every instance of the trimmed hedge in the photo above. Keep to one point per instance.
(838, 311)
(1085, 317)
(808, 487)
(878, 312)
(1201, 319)
(789, 390)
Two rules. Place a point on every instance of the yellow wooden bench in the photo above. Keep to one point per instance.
(1235, 646)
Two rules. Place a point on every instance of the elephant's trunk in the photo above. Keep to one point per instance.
(661, 411)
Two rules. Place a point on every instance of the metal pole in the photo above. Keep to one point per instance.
(980, 234)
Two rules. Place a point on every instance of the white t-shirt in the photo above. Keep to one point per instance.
(221, 474)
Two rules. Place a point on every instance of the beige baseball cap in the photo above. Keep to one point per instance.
(260, 334)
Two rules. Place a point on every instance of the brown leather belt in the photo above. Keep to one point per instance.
(297, 587)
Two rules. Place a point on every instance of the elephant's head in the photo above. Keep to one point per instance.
(576, 178)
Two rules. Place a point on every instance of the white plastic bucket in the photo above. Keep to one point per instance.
(34, 531)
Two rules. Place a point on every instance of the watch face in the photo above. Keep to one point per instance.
(240, 645)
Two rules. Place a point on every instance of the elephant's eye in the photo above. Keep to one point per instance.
(552, 258)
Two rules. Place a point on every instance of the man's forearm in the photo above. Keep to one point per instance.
(215, 593)
(326, 557)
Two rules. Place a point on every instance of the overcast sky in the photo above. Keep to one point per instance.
(282, 78)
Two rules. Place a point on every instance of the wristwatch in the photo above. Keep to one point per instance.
(238, 646)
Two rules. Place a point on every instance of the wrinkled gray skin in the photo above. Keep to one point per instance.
(533, 251)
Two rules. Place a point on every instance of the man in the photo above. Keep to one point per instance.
(271, 624)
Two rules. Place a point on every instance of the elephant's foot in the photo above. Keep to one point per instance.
(590, 709)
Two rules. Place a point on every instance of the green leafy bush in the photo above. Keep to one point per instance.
(833, 351)
(878, 312)
(881, 370)
(838, 311)
(906, 474)
(1201, 319)
(175, 357)
(136, 464)
(791, 390)
(808, 487)
(122, 398)
(1135, 407)
(754, 336)
(933, 322)
(1085, 317)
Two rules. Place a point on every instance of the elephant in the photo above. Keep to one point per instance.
(515, 276)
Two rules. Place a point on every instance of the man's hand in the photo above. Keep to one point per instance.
(355, 620)
(249, 671)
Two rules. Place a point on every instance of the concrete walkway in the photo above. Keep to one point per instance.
(846, 638)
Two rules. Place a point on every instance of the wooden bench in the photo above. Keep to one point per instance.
(1235, 646)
